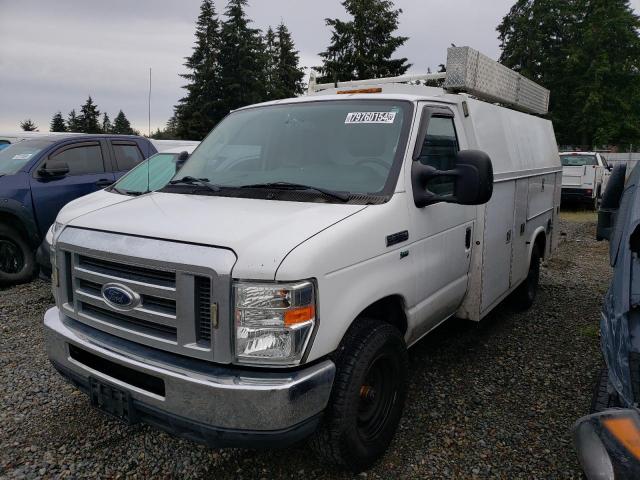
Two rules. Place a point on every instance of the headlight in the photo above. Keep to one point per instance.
(56, 230)
(273, 321)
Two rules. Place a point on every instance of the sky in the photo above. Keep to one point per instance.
(54, 54)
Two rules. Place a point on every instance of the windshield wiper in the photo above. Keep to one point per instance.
(299, 186)
(204, 182)
(126, 192)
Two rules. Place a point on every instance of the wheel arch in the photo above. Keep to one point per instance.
(390, 309)
(20, 222)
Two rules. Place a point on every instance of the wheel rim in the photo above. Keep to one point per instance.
(11, 257)
(378, 394)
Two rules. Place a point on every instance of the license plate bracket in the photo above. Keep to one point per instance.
(112, 400)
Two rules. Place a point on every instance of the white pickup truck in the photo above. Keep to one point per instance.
(270, 292)
(584, 177)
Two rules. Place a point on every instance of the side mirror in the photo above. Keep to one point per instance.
(181, 159)
(611, 203)
(472, 178)
(54, 169)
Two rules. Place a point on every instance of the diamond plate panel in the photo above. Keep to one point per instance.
(472, 72)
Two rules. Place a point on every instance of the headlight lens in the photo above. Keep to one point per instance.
(56, 230)
(273, 321)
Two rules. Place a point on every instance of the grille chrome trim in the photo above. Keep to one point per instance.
(164, 274)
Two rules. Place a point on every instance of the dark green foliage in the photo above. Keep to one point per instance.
(106, 126)
(587, 52)
(89, 118)
(362, 47)
(242, 59)
(289, 76)
(170, 131)
(73, 125)
(121, 125)
(28, 126)
(202, 107)
(57, 123)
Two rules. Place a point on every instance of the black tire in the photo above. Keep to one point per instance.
(367, 398)
(525, 294)
(603, 400)
(17, 258)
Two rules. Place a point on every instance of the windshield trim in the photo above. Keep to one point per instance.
(382, 196)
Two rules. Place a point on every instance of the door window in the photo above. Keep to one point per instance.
(82, 159)
(439, 151)
(128, 155)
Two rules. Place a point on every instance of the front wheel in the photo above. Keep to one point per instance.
(367, 399)
(17, 260)
(525, 294)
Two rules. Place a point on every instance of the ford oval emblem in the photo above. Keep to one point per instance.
(120, 297)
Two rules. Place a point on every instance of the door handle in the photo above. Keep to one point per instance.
(467, 239)
(104, 182)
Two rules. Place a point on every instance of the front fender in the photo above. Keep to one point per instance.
(20, 216)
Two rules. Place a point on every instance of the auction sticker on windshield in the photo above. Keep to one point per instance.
(370, 117)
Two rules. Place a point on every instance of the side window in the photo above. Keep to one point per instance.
(128, 155)
(439, 150)
(82, 159)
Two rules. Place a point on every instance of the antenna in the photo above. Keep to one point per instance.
(149, 102)
(149, 139)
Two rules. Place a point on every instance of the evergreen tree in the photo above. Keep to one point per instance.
(106, 124)
(587, 52)
(121, 125)
(73, 124)
(242, 59)
(28, 126)
(271, 64)
(362, 47)
(89, 118)
(201, 108)
(57, 123)
(289, 75)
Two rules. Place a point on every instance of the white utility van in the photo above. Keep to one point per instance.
(584, 177)
(270, 291)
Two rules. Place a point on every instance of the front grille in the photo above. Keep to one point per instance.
(203, 308)
(121, 320)
(129, 272)
(170, 309)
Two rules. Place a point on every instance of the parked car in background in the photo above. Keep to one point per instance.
(38, 176)
(270, 290)
(608, 440)
(148, 176)
(584, 177)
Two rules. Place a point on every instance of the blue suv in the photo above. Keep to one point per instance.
(39, 176)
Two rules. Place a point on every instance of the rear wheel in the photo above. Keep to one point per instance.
(525, 294)
(17, 260)
(367, 398)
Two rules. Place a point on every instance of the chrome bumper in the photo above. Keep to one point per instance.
(198, 396)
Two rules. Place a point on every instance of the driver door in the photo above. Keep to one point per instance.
(443, 232)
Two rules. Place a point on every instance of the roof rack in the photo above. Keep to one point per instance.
(469, 71)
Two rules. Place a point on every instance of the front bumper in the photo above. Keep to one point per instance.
(212, 404)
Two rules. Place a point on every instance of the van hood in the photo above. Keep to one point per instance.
(89, 203)
(260, 232)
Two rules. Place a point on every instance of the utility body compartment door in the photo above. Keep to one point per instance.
(498, 241)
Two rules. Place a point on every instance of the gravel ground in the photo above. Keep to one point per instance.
(494, 400)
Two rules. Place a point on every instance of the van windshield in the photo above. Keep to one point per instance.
(350, 146)
(17, 155)
(578, 160)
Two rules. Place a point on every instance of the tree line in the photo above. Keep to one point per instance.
(88, 120)
(587, 52)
